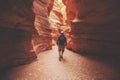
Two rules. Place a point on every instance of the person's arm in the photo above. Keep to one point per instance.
(57, 41)
(65, 41)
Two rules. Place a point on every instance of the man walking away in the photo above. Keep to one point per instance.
(61, 42)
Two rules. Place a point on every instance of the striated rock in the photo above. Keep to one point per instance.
(16, 29)
(57, 19)
(43, 40)
(94, 26)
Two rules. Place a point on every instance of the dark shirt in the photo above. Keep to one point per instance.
(62, 40)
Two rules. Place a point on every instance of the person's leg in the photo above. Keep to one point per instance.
(63, 49)
(60, 50)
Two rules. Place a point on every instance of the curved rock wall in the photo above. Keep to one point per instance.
(57, 19)
(16, 29)
(43, 40)
(95, 26)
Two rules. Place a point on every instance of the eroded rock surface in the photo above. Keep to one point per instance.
(95, 26)
(57, 19)
(43, 40)
(16, 29)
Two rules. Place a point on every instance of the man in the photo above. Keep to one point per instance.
(61, 42)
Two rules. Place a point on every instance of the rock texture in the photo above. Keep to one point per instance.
(42, 40)
(16, 29)
(57, 19)
(95, 26)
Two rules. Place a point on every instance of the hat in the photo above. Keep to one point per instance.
(62, 31)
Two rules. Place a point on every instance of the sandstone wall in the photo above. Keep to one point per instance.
(95, 26)
(16, 29)
(42, 40)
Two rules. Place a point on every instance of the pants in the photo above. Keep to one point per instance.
(61, 48)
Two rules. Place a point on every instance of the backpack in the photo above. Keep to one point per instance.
(61, 40)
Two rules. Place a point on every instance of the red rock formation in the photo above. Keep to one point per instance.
(16, 29)
(57, 19)
(94, 28)
(43, 40)
(94, 25)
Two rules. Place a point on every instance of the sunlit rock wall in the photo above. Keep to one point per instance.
(95, 26)
(16, 29)
(57, 19)
(43, 40)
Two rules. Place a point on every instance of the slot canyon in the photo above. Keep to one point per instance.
(28, 28)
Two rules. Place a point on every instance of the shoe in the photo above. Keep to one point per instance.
(59, 58)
